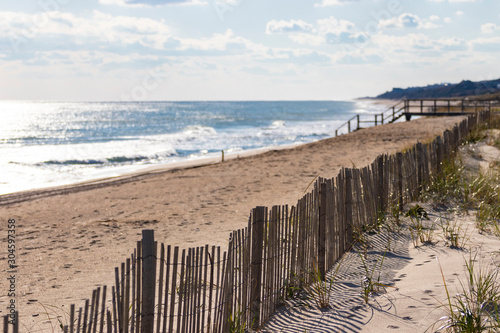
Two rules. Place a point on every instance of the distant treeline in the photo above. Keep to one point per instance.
(481, 89)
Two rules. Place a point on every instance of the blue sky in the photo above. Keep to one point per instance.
(241, 49)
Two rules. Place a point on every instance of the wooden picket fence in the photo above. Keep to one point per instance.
(167, 289)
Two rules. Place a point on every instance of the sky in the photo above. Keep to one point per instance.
(140, 50)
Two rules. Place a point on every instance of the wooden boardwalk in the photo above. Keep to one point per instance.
(419, 107)
(445, 107)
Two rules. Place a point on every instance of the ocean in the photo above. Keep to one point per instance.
(44, 144)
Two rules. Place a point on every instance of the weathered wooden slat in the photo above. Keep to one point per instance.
(181, 292)
(5, 324)
(340, 213)
(138, 297)
(173, 290)
(222, 296)
(85, 314)
(293, 222)
(348, 208)
(197, 289)
(256, 265)
(217, 294)
(239, 253)
(187, 291)
(116, 325)
(103, 309)
(96, 309)
(265, 269)
(206, 285)
(322, 231)
(109, 322)
(123, 306)
(91, 313)
(210, 291)
(167, 297)
(79, 322)
(71, 319)
(133, 259)
(159, 306)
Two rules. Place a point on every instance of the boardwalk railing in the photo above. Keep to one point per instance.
(418, 107)
(167, 289)
(445, 107)
(388, 116)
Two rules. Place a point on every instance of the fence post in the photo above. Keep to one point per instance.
(357, 116)
(380, 184)
(419, 161)
(399, 170)
(348, 207)
(439, 152)
(322, 231)
(148, 281)
(258, 216)
(16, 322)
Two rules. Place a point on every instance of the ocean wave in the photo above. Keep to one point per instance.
(72, 162)
(116, 160)
(196, 131)
(277, 124)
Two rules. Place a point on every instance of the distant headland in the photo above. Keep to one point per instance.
(472, 90)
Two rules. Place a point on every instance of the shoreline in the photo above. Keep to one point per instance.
(147, 171)
(94, 175)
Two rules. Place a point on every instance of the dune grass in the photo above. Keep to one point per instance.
(475, 308)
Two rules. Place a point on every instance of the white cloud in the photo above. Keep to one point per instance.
(452, 44)
(407, 20)
(217, 42)
(293, 26)
(325, 3)
(150, 3)
(334, 26)
(99, 27)
(417, 47)
(308, 39)
(489, 44)
(453, 1)
(489, 28)
(339, 31)
(459, 13)
(434, 18)
(325, 31)
(447, 20)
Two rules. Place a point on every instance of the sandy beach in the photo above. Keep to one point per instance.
(71, 238)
